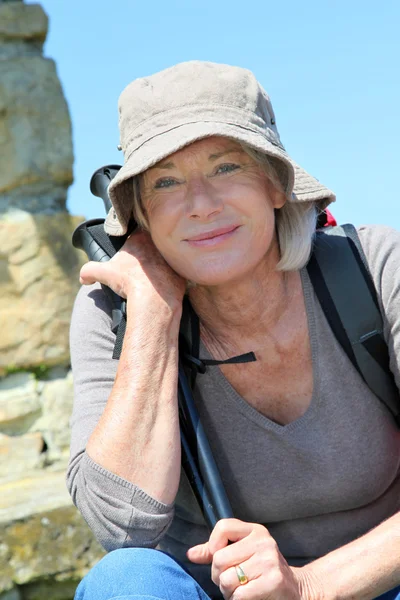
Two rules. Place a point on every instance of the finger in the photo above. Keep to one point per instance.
(232, 579)
(200, 554)
(226, 530)
(255, 590)
(259, 546)
(138, 238)
(231, 555)
(271, 586)
(93, 271)
(89, 273)
(229, 530)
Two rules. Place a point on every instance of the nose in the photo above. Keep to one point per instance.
(202, 200)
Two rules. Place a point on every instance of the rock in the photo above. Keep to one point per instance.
(19, 453)
(19, 403)
(54, 543)
(26, 21)
(35, 141)
(13, 594)
(42, 535)
(56, 399)
(39, 279)
(48, 590)
(37, 492)
(45, 545)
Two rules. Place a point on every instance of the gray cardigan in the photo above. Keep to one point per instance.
(316, 483)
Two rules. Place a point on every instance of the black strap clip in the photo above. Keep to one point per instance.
(201, 364)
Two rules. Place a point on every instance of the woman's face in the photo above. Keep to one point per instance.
(211, 211)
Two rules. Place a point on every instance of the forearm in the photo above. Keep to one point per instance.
(137, 436)
(363, 569)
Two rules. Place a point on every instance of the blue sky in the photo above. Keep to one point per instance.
(331, 69)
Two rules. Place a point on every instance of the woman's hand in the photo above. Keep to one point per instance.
(254, 549)
(138, 269)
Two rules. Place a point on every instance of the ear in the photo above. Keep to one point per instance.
(277, 197)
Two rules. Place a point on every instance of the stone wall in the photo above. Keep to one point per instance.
(45, 546)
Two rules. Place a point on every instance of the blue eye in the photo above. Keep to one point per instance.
(165, 182)
(227, 168)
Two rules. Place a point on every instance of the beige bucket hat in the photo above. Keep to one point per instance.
(161, 114)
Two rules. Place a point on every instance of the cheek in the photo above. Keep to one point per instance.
(169, 248)
(267, 222)
(261, 217)
(163, 217)
(158, 202)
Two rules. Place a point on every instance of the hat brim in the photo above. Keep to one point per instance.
(300, 185)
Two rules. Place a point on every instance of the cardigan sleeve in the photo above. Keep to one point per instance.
(119, 513)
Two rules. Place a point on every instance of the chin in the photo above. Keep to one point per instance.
(217, 269)
(215, 276)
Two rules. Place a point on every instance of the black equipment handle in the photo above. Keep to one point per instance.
(197, 458)
(84, 240)
(200, 449)
(100, 181)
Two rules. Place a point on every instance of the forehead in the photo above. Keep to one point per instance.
(206, 146)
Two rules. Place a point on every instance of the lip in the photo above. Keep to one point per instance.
(212, 234)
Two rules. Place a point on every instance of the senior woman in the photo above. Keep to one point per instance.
(308, 455)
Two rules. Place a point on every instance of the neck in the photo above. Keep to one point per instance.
(241, 311)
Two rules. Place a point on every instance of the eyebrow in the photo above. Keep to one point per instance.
(211, 158)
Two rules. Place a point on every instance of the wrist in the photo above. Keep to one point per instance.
(310, 585)
(153, 304)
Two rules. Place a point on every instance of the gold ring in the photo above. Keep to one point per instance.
(241, 575)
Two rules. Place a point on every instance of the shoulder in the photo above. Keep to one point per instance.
(91, 303)
(378, 239)
(91, 319)
(381, 245)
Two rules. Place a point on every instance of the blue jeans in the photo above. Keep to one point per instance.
(144, 574)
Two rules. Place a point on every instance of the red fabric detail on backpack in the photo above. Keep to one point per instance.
(330, 219)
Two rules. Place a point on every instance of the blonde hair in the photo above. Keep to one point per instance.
(295, 221)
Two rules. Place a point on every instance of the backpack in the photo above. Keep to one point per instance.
(341, 279)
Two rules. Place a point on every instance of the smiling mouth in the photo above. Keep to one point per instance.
(212, 234)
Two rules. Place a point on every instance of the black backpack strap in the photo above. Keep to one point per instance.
(110, 244)
(343, 284)
(189, 346)
(120, 334)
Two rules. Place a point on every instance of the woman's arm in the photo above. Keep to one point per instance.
(137, 437)
(362, 569)
(125, 447)
(370, 565)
